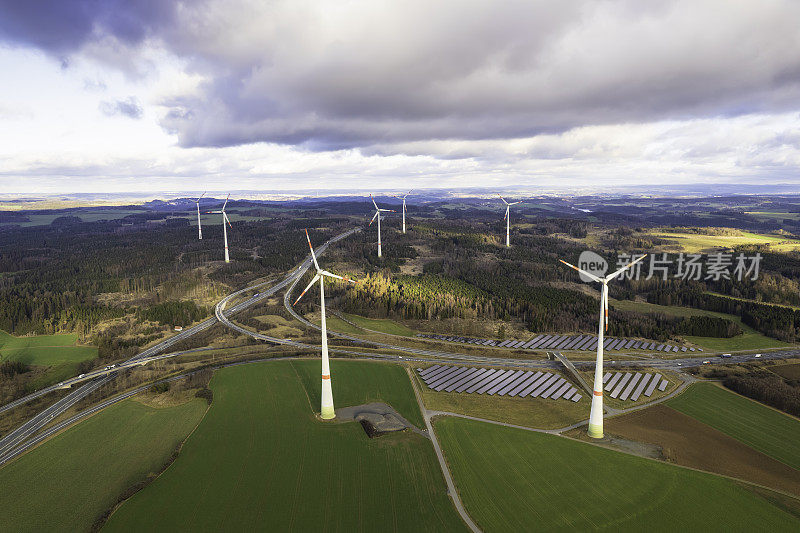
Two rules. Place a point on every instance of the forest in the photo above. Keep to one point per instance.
(58, 278)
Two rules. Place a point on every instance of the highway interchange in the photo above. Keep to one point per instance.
(33, 430)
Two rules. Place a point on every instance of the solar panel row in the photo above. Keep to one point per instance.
(498, 382)
(627, 385)
(564, 342)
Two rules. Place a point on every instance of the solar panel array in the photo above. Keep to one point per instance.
(631, 385)
(565, 342)
(490, 381)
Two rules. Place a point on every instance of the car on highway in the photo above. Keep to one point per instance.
(725, 355)
(81, 375)
(757, 355)
(706, 362)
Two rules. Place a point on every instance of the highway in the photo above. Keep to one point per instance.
(12, 443)
(94, 380)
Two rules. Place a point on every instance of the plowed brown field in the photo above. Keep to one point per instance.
(688, 442)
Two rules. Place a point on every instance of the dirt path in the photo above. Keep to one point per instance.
(451, 487)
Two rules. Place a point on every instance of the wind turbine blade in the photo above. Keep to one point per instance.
(198, 200)
(213, 212)
(605, 304)
(330, 275)
(515, 203)
(226, 201)
(388, 210)
(225, 216)
(313, 281)
(506, 215)
(504, 200)
(618, 272)
(373, 201)
(313, 256)
(587, 274)
(373, 217)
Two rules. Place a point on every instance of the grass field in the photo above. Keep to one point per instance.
(44, 350)
(277, 326)
(687, 441)
(59, 353)
(260, 460)
(766, 430)
(529, 412)
(750, 339)
(693, 243)
(382, 325)
(516, 480)
(67, 482)
(359, 382)
(790, 371)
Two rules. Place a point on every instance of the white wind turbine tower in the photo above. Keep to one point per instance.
(199, 227)
(377, 215)
(596, 414)
(224, 229)
(508, 219)
(404, 207)
(327, 411)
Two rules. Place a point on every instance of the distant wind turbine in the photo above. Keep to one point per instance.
(327, 411)
(596, 414)
(508, 219)
(377, 215)
(404, 207)
(199, 227)
(224, 228)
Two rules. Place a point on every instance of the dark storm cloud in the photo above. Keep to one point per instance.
(61, 27)
(128, 107)
(331, 75)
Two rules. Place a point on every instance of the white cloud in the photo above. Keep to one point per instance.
(297, 93)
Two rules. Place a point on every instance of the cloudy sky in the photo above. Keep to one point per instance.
(139, 95)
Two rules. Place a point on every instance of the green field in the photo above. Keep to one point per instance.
(529, 412)
(44, 350)
(56, 352)
(385, 382)
(750, 339)
(260, 460)
(383, 325)
(764, 429)
(516, 480)
(69, 481)
(694, 242)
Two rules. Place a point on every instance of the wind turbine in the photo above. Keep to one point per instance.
(199, 227)
(327, 411)
(507, 218)
(404, 207)
(377, 215)
(224, 229)
(596, 414)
